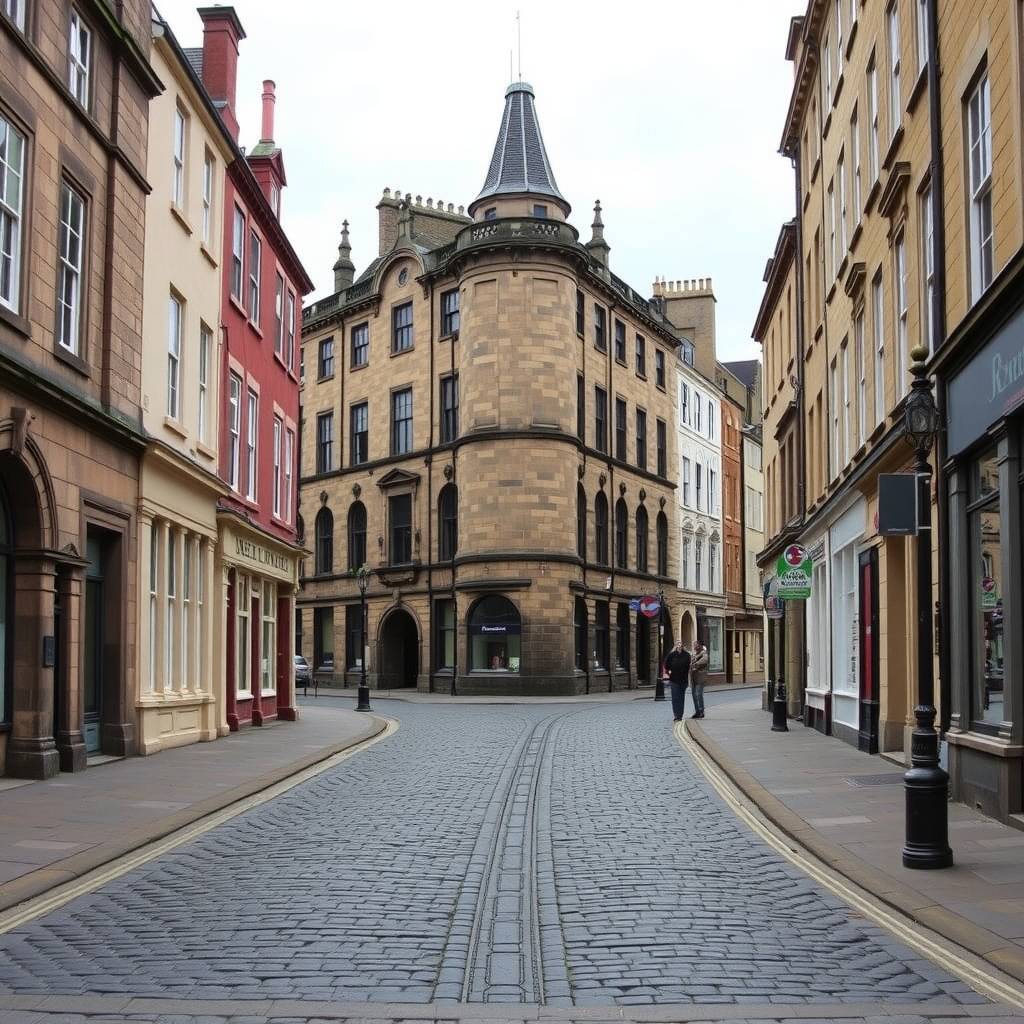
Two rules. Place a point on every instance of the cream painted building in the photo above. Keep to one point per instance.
(181, 606)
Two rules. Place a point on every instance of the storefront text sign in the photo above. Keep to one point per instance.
(257, 553)
(989, 387)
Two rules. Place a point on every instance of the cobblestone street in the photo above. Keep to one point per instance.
(559, 856)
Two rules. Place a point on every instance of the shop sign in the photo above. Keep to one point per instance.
(773, 606)
(793, 571)
(988, 388)
(253, 552)
(650, 606)
(495, 628)
(989, 595)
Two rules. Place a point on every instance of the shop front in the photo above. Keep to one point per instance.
(982, 556)
(259, 576)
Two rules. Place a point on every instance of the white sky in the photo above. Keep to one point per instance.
(668, 111)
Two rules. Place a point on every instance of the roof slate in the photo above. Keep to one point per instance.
(520, 161)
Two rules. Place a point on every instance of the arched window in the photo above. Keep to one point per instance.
(324, 541)
(579, 624)
(662, 528)
(621, 533)
(494, 635)
(601, 528)
(581, 521)
(356, 535)
(448, 522)
(641, 539)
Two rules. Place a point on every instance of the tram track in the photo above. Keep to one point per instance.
(506, 918)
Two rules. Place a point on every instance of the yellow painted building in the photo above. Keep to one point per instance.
(908, 234)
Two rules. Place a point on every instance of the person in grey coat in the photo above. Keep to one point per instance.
(698, 677)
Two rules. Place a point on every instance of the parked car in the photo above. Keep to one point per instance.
(301, 671)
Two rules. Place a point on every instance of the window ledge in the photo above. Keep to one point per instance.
(73, 359)
(175, 427)
(206, 451)
(210, 258)
(178, 214)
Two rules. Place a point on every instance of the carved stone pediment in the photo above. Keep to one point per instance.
(399, 479)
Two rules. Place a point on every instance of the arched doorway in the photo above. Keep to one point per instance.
(399, 651)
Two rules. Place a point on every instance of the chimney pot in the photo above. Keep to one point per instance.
(267, 134)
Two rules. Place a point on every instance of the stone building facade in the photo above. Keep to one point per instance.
(908, 244)
(488, 435)
(74, 108)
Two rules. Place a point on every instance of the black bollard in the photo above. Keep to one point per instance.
(659, 688)
(779, 723)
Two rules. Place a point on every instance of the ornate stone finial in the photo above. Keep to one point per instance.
(449, 471)
(581, 471)
(643, 494)
(602, 480)
(323, 497)
(344, 268)
(661, 502)
(597, 246)
(622, 488)
(356, 490)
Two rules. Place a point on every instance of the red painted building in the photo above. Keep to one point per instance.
(264, 282)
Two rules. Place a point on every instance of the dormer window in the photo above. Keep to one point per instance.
(275, 199)
(540, 210)
(491, 213)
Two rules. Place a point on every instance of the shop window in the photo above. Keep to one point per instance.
(444, 634)
(494, 635)
(987, 587)
(601, 639)
(323, 639)
(243, 647)
(268, 676)
(716, 653)
(579, 623)
(354, 636)
(622, 636)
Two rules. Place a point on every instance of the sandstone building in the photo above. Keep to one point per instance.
(909, 234)
(74, 107)
(488, 429)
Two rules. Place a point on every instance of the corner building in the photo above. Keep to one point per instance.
(486, 431)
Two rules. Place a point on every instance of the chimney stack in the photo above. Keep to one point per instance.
(222, 32)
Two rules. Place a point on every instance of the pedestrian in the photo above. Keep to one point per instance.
(677, 668)
(698, 676)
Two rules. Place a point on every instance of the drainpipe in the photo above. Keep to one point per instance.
(939, 334)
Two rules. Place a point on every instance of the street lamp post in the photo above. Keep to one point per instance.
(926, 784)
(659, 682)
(362, 579)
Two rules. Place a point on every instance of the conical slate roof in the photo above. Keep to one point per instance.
(520, 162)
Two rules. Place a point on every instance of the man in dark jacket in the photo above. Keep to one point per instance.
(677, 667)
